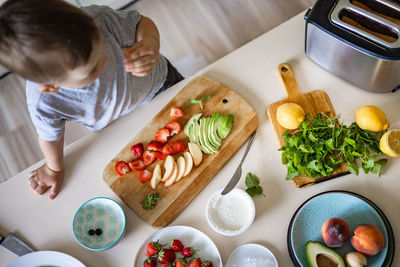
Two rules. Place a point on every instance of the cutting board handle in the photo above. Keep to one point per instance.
(289, 81)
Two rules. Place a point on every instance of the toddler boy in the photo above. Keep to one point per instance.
(89, 65)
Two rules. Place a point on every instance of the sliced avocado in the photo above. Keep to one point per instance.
(225, 126)
(212, 130)
(204, 143)
(191, 135)
(319, 255)
(193, 119)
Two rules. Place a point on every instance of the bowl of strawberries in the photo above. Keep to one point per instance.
(179, 246)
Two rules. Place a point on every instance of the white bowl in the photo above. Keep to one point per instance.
(103, 214)
(231, 214)
(252, 255)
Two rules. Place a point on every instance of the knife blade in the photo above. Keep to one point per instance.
(238, 173)
(15, 245)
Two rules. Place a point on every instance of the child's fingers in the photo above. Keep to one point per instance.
(139, 68)
(55, 188)
(41, 189)
(145, 60)
(33, 183)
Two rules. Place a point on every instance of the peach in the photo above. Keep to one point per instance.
(335, 232)
(367, 239)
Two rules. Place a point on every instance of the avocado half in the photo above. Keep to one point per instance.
(319, 255)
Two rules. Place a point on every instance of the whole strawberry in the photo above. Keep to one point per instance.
(150, 262)
(181, 262)
(166, 255)
(188, 252)
(168, 265)
(153, 248)
(195, 262)
(207, 264)
(176, 245)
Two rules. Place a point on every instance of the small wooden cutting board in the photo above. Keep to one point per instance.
(312, 103)
(175, 198)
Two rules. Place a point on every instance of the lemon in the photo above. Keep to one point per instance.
(371, 118)
(290, 115)
(390, 143)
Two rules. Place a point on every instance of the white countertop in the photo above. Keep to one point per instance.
(250, 71)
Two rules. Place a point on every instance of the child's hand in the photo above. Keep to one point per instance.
(44, 178)
(142, 57)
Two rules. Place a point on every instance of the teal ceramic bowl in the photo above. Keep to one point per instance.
(353, 208)
(99, 223)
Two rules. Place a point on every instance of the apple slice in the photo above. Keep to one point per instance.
(169, 166)
(156, 178)
(196, 153)
(189, 163)
(172, 178)
(181, 166)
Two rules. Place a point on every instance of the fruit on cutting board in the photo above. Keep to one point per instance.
(156, 178)
(367, 239)
(189, 163)
(172, 178)
(196, 153)
(355, 259)
(121, 167)
(181, 166)
(390, 143)
(169, 166)
(335, 232)
(319, 255)
(290, 115)
(371, 118)
(145, 176)
(208, 132)
(176, 113)
(137, 150)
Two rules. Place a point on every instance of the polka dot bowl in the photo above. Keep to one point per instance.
(99, 223)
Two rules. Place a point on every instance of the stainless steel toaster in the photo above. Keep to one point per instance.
(357, 40)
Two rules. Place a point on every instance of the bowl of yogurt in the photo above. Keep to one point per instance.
(231, 214)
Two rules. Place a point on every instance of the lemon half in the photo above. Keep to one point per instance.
(390, 143)
(371, 118)
(290, 115)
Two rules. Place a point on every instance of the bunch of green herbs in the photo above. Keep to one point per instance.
(322, 143)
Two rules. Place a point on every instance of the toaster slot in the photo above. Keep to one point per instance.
(389, 10)
(368, 25)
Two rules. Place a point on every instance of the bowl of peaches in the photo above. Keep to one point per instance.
(339, 229)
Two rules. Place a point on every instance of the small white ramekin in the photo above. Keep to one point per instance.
(227, 232)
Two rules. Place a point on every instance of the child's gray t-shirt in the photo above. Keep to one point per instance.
(115, 93)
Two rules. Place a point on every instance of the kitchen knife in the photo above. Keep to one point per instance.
(15, 245)
(238, 173)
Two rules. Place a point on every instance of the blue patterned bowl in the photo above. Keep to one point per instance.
(354, 209)
(99, 223)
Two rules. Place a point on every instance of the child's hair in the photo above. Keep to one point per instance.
(41, 39)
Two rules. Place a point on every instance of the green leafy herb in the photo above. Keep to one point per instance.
(253, 185)
(199, 101)
(320, 144)
(150, 201)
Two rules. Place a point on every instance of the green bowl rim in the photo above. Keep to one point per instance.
(123, 227)
(390, 253)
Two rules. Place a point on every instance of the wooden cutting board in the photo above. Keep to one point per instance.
(312, 103)
(175, 198)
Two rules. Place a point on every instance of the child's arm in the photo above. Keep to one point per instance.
(51, 174)
(143, 56)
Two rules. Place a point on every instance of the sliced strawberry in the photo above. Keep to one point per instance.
(176, 113)
(155, 146)
(137, 165)
(145, 176)
(159, 155)
(162, 135)
(174, 147)
(121, 167)
(174, 127)
(137, 150)
(148, 157)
